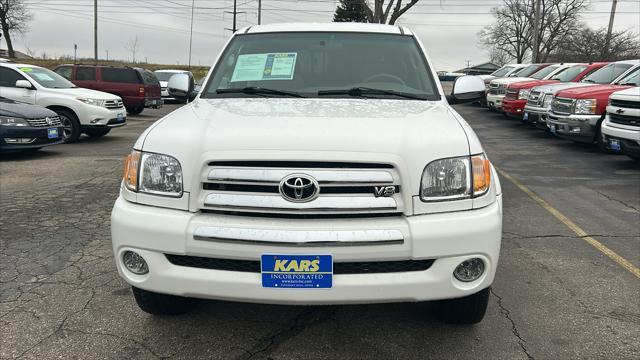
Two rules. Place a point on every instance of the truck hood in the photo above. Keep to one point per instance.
(590, 92)
(632, 94)
(530, 84)
(88, 93)
(406, 133)
(555, 87)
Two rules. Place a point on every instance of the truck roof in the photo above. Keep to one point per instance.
(328, 27)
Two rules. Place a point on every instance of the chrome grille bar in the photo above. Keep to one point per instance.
(298, 237)
(274, 175)
(50, 121)
(277, 202)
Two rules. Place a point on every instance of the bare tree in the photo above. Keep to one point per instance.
(512, 30)
(386, 14)
(29, 50)
(499, 57)
(14, 19)
(588, 45)
(133, 47)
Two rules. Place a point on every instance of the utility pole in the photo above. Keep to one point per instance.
(605, 51)
(535, 50)
(235, 13)
(107, 54)
(75, 53)
(468, 65)
(259, 12)
(191, 33)
(95, 30)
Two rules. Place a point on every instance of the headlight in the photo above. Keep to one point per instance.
(585, 106)
(95, 102)
(523, 94)
(153, 173)
(455, 178)
(11, 121)
(547, 101)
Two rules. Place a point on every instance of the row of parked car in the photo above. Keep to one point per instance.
(40, 107)
(595, 103)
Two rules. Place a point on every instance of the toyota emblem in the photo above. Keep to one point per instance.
(49, 121)
(299, 188)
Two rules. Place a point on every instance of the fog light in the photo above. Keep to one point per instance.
(469, 270)
(575, 129)
(135, 263)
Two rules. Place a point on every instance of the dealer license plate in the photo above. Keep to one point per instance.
(552, 128)
(52, 133)
(614, 144)
(297, 271)
(120, 117)
(525, 117)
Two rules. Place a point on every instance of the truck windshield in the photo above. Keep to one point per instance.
(607, 74)
(502, 71)
(306, 63)
(47, 78)
(525, 72)
(633, 78)
(569, 73)
(539, 75)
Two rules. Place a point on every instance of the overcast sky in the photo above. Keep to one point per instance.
(448, 28)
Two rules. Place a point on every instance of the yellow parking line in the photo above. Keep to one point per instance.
(573, 226)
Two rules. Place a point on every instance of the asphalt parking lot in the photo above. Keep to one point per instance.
(557, 294)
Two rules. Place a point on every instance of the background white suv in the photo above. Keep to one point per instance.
(87, 111)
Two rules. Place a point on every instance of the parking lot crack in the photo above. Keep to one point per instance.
(514, 329)
(299, 323)
(630, 207)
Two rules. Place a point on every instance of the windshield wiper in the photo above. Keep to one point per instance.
(258, 90)
(362, 91)
(629, 84)
(588, 81)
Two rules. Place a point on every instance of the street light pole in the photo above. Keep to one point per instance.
(75, 52)
(259, 12)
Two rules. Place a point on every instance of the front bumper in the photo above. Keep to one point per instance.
(580, 128)
(39, 136)
(100, 116)
(537, 116)
(495, 101)
(628, 138)
(447, 238)
(514, 107)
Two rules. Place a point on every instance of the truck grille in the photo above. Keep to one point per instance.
(497, 89)
(339, 268)
(535, 98)
(562, 105)
(113, 104)
(624, 119)
(625, 104)
(270, 187)
(511, 94)
(48, 121)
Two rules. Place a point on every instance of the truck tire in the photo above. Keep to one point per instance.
(71, 126)
(96, 133)
(135, 110)
(162, 304)
(466, 310)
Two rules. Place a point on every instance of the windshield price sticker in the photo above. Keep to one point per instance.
(297, 271)
(259, 67)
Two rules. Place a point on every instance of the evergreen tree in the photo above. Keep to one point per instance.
(350, 11)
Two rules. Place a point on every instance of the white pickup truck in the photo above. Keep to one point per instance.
(319, 164)
(621, 126)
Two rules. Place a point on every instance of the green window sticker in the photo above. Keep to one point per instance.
(259, 67)
(25, 69)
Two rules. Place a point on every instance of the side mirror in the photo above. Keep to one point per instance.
(467, 89)
(180, 86)
(24, 84)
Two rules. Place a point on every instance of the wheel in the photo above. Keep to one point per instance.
(467, 310)
(162, 304)
(96, 133)
(70, 124)
(135, 110)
